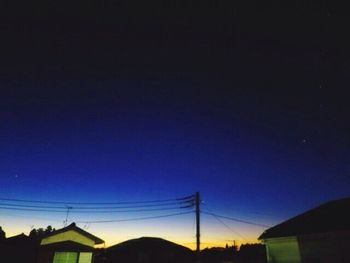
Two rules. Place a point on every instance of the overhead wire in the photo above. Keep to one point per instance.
(163, 204)
(98, 203)
(146, 206)
(224, 224)
(31, 210)
(92, 207)
(26, 217)
(236, 219)
(186, 202)
(228, 227)
(73, 210)
(134, 219)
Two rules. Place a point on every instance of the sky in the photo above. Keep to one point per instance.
(246, 104)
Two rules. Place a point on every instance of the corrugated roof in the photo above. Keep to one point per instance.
(333, 216)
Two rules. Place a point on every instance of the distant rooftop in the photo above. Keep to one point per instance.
(332, 216)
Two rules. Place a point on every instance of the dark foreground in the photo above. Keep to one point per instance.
(24, 249)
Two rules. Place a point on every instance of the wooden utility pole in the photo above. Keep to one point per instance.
(197, 202)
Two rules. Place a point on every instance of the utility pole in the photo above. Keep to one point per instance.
(197, 202)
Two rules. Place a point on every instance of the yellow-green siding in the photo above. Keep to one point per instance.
(283, 250)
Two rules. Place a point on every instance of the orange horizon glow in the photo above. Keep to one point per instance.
(121, 233)
(180, 230)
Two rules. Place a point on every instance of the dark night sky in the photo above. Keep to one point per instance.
(246, 103)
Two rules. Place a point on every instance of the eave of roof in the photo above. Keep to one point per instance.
(67, 246)
(329, 217)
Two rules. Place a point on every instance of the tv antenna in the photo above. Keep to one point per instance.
(66, 221)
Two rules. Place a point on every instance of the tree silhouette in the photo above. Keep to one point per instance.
(40, 232)
(2, 234)
(49, 229)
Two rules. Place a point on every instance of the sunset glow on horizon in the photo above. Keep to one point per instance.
(180, 231)
(115, 121)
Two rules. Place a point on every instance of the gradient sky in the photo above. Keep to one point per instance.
(126, 106)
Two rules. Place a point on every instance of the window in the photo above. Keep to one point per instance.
(65, 257)
(72, 257)
(85, 257)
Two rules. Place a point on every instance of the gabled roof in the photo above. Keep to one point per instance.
(333, 216)
(77, 229)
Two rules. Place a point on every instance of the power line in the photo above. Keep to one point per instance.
(32, 210)
(186, 198)
(223, 223)
(72, 210)
(236, 219)
(227, 226)
(134, 219)
(95, 207)
(32, 217)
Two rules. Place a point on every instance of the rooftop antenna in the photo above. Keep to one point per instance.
(66, 221)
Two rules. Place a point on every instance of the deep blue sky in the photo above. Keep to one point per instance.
(157, 107)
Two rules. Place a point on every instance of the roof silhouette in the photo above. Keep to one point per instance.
(332, 216)
(148, 242)
(74, 227)
(18, 239)
(149, 250)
